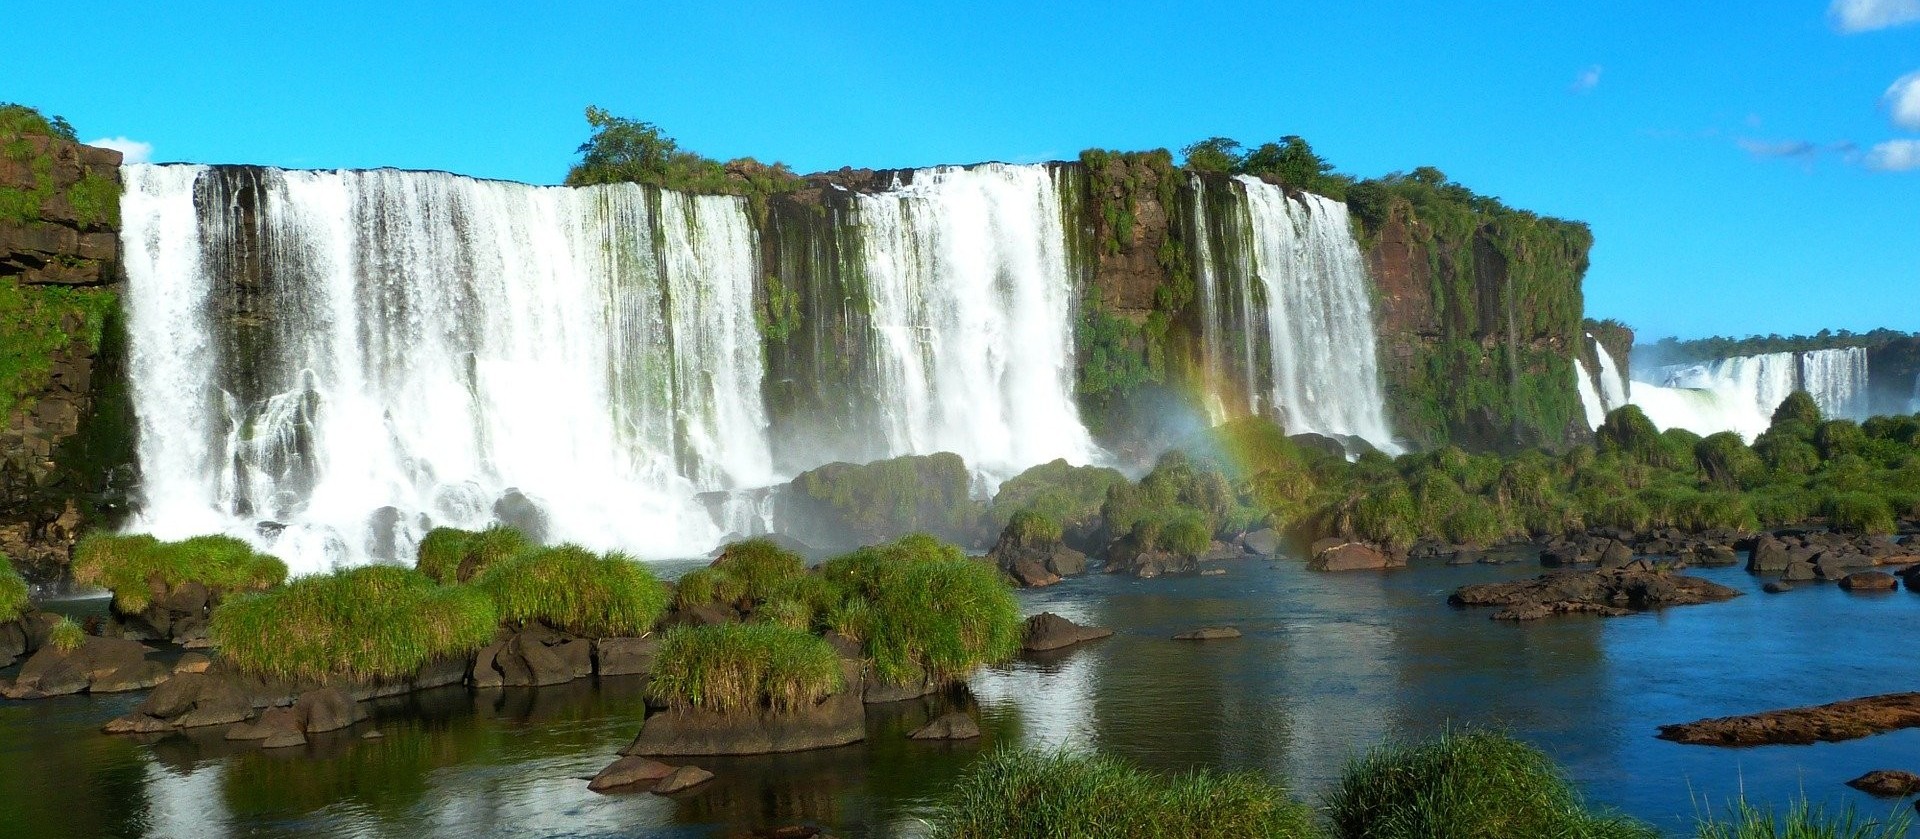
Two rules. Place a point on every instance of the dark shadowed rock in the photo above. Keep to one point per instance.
(681, 779)
(278, 720)
(1263, 542)
(99, 665)
(1830, 723)
(1048, 631)
(1769, 556)
(1603, 592)
(1887, 783)
(327, 709)
(1777, 587)
(834, 721)
(1869, 581)
(1210, 633)
(953, 725)
(629, 771)
(1799, 571)
(625, 656)
(521, 513)
(1352, 556)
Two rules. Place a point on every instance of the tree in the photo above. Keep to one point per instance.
(623, 150)
(1214, 154)
(1291, 161)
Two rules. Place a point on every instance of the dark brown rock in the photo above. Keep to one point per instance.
(1887, 783)
(629, 771)
(682, 779)
(1352, 556)
(1603, 592)
(1869, 581)
(1048, 631)
(835, 721)
(327, 709)
(953, 725)
(1830, 723)
(625, 656)
(1210, 633)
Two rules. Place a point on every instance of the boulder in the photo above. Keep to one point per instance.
(876, 692)
(98, 665)
(1777, 587)
(1887, 783)
(1769, 556)
(1263, 542)
(1352, 556)
(1607, 592)
(1048, 631)
(625, 656)
(1834, 565)
(1869, 581)
(1209, 633)
(276, 722)
(629, 771)
(681, 779)
(1830, 723)
(953, 725)
(192, 663)
(837, 720)
(1799, 571)
(327, 709)
(188, 700)
(1616, 555)
(1030, 572)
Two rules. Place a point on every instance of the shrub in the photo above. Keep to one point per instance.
(1185, 534)
(13, 592)
(1797, 409)
(573, 589)
(449, 555)
(1385, 513)
(128, 565)
(744, 667)
(1475, 522)
(1465, 784)
(1629, 433)
(1013, 793)
(708, 585)
(762, 567)
(66, 636)
(1058, 490)
(1800, 821)
(1727, 461)
(931, 614)
(1860, 512)
(1837, 437)
(375, 621)
(1031, 527)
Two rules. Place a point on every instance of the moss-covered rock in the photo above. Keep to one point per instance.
(844, 504)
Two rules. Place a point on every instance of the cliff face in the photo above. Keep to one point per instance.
(65, 420)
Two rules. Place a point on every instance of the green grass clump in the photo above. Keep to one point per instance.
(13, 592)
(744, 667)
(1057, 490)
(931, 613)
(1013, 793)
(576, 590)
(1034, 528)
(449, 555)
(708, 585)
(1465, 785)
(1801, 821)
(375, 621)
(762, 567)
(128, 566)
(66, 636)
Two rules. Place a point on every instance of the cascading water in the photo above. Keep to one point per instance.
(1614, 387)
(972, 315)
(1740, 394)
(1837, 381)
(1285, 304)
(331, 362)
(1590, 402)
(1611, 392)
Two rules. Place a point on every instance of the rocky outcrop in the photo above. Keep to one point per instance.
(1352, 556)
(97, 665)
(1636, 587)
(1830, 723)
(1822, 555)
(1035, 562)
(1047, 631)
(1887, 783)
(837, 720)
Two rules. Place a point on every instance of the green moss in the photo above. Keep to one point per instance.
(374, 621)
(1058, 490)
(129, 566)
(36, 323)
(1035, 794)
(13, 592)
(889, 498)
(736, 668)
(575, 590)
(930, 613)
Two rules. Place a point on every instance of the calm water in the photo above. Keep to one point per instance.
(1330, 665)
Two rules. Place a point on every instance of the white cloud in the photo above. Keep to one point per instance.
(1589, 78)
(1868, 15)
(133, 150)
(1895, 156)
(1903, 101)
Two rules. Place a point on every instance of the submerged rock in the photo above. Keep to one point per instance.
(682, 779)
(1048, 631)
(950, 726)
(1209, 633)
(1352, 556)
(1603, 592)
(1830, 723)
(629, 771)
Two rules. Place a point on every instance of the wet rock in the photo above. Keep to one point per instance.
(1263, 542)
(629, 771)
(327, 709)
(192, 663)
(836, 720)
(1869, 581)
(1831, 723)
(1616, 555)
(1209, 633)
(1035, 562)
(876, 692)
(1603, 592)
(98, 665)
(953, 725)
(1887, 783)
(1048, 631)
(1777, 587)
(682, 779)
(521, 513)
(273, 722)
(1799, 571)
(1352, 556)
(624, 656)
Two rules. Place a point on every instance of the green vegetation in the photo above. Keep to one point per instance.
(1031, 527)
(923, 610)
(890, 498)
(1178, 507)
(575, 590)
(1801, 820)
(1032, 794)
(13, 592)
(1291, 162)
(1470, 785)
(1676, 351)
(744, 667)
(625, 150)
(449, 555)
(1068, 495)
(374, 621)
(130, 566)
(36, 323)
(66, 636)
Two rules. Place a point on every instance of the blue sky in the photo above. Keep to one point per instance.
(1725, 155)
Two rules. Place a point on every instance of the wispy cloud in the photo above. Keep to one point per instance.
(1802, 149)
(1894, 156)
(1903, 101)
(133, 151)
(1588, 79)
(1868, 15)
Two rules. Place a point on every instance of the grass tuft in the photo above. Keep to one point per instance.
(66, 636)
(1027, 793)
(449, 555)
(374, 621)
(129, 566)
(573, 589)
(1466, 784)
(744, 667)
(13, 592)
(931, 613)
(1800, 821)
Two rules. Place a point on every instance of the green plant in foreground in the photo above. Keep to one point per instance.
(1466, 785)
(1801, 821)
(13, 592)
(374, 621)
(66, 636)
(1013, 793)
(930, 613)
(573, 589)
(733, 668)
(129, 566)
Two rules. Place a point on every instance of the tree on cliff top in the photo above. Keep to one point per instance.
(1291, 162)
(625, 150)
(20, 121)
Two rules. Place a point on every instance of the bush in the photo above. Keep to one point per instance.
(931, 614)
(375, 621)
(1034, 528)
(1727, 461)
(1465, 784)
(1185, 534)
(573, 589)
(127, 565)
(66, 636)
(1059, 490)
(1798, 409)
(449, 555)
(744, 667)
(1628, 432)
(13, 592)
(1801, 821)
(1013, 793)
(762, 567)
(1860, 512)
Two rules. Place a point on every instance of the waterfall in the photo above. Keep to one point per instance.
(971, 311)
(1614, 388)
(1285, 308)
(1837, 381)
(330, 363)
(1740, 393)
(1611, 392)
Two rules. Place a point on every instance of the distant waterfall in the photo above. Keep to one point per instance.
(1615, 390)
(1611, 390)
(1590, 402)
(1837, 381)
(332, 362)
(972, 306)
(1287, 317)
(1740, 393)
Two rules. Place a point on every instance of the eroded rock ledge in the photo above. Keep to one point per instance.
(1609, 592)
(1830, 723)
